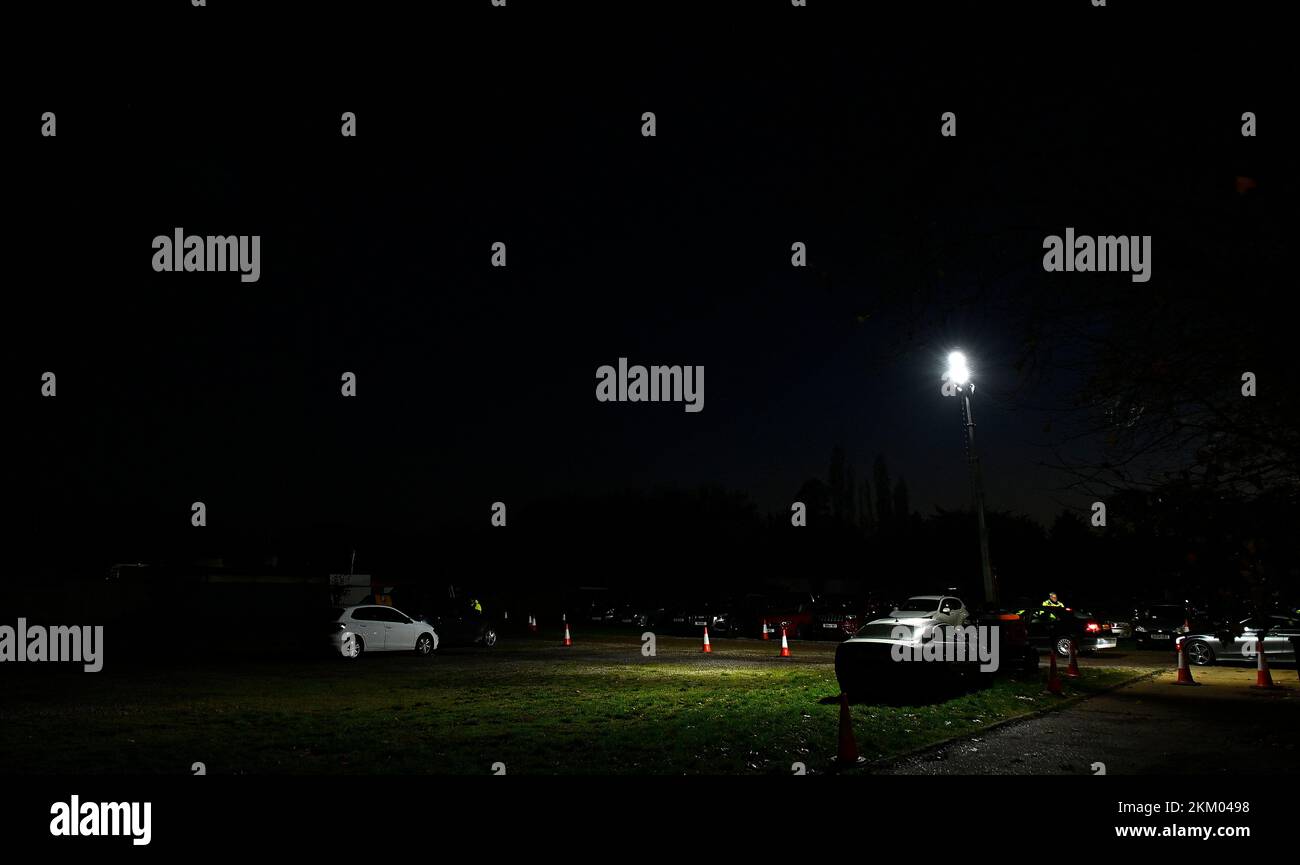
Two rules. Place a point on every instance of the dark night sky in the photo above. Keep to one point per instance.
(478, 384)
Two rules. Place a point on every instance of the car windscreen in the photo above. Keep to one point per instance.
(916, 607)
(1167, 614)
(885, 631)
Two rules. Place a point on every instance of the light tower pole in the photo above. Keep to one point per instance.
(959, 377)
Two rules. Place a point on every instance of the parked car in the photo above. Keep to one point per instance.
(839, 617)
(589, 606)
(461, 624)
(377, 628)
(1121, 622)
(866, 659)
(792, 611)
(1237, 641)
(1054, 627)
(594, 612)
(943, 609)
(637, 614)
(692, 617)
(834, 617)
(1157, 625)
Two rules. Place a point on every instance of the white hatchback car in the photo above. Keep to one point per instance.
(377, 628)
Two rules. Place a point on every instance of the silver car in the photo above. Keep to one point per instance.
(1121, 628)
(1237, 641)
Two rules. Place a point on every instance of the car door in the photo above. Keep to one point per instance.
(1241, 642)
(398, 633)
(451, 622)
(956, 611)
(364, 622)
(412, 628)
(1038, 622)
(1282, 630)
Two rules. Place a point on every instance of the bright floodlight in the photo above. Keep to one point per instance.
(958, 372)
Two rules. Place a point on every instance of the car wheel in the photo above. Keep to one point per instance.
(489, 637)
(352, 647)
(1200, 653)
(1063, 647)
(424, 646)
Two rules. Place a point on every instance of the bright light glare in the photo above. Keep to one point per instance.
(958, 372)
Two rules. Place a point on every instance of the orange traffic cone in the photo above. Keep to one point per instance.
(785, 646)
(707, 648)
(1263, 678)
(1184, 669)
(1072, 671)
(766, 630)
(1053, 681)
(847, 754)
(568, 641)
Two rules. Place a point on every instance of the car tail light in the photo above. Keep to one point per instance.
(1092, 627)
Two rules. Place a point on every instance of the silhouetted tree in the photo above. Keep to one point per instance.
(836, 480)
(884, 507)
(866, 517)
(850, 514)
(816, 496)
(902, 502)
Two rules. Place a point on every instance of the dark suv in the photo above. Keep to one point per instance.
(459, 623)
(1158, 625)
(838, 617)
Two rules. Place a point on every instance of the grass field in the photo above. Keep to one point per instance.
(599, 707)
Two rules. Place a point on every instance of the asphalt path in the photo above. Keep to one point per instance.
(1222, 726)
